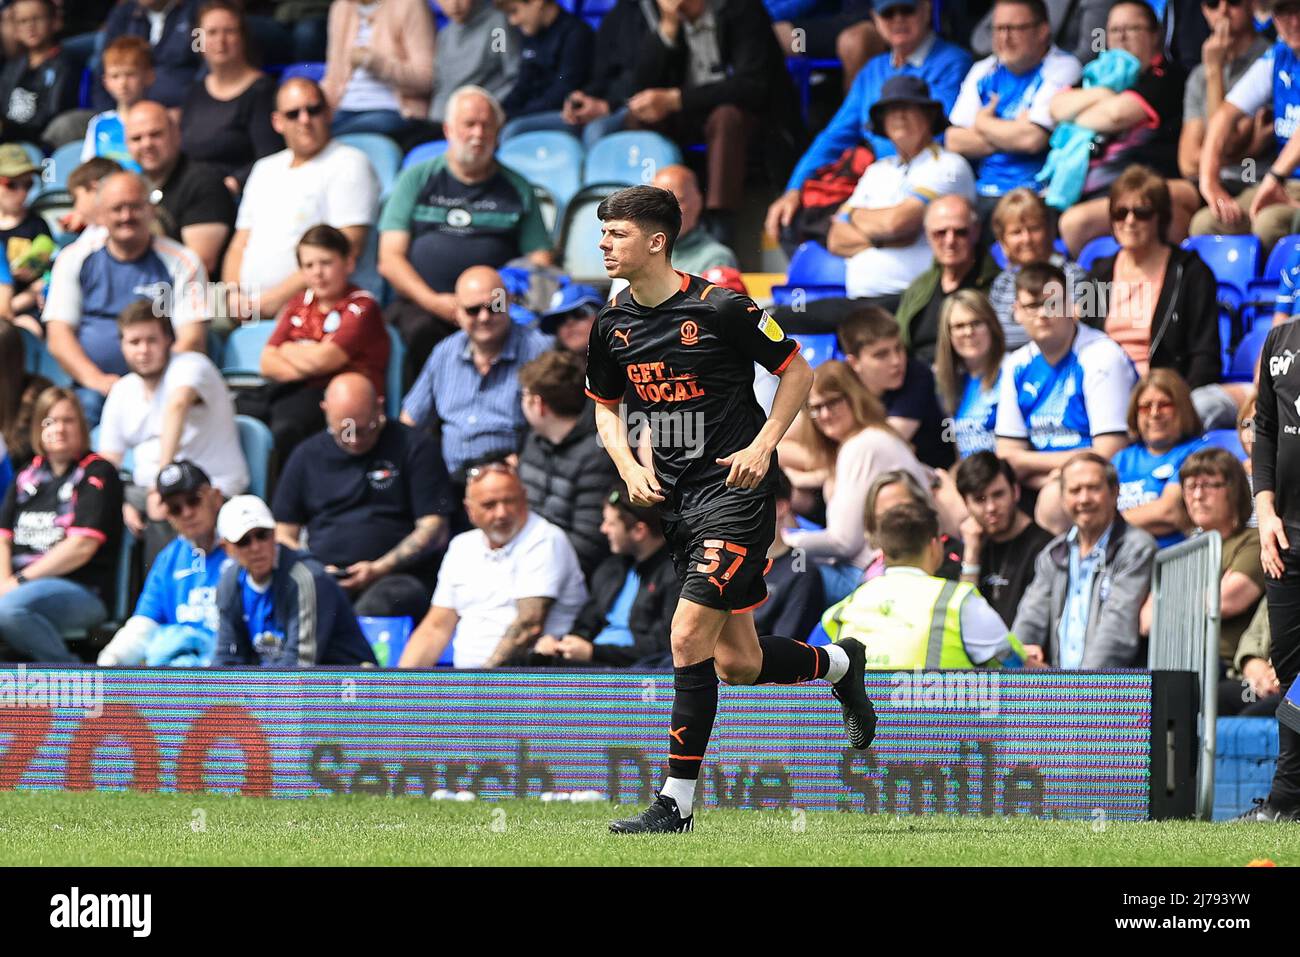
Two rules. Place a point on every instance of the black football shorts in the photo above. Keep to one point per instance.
(721, 555)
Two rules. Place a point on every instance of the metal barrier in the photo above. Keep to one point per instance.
(1185, 636)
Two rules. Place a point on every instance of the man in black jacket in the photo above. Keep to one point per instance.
(168, 25)
(713, 71)
(634, 592)
(562, 466)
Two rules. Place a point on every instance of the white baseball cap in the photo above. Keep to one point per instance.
(241, 515)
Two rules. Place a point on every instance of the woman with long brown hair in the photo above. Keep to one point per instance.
(968, 368)
(18, 391)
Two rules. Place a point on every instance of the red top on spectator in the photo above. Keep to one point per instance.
(355, 324)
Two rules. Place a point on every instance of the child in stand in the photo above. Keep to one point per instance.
(38, 84)
(128, 72)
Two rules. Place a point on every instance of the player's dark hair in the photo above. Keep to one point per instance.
(619, 500)
(325, 236)
(654, 210)
(905, 531)
(142, 311)
(91, 172)
(866, 327)
(558, 377)
(1036, 7)
(977, 472)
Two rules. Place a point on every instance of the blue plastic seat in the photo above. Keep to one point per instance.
(547, 158)
(1098, 248)
(311, 71)
(629, 158)
(256, 441)
(817, 348)
(387, 637)
(55, 170)
(1234, 260)
(425, 152)
(243, 355)
(41, 362)
(815, 271)
(385, 156)
(366, 275)
(999, 255)
(1245, 359)
(1228, 439)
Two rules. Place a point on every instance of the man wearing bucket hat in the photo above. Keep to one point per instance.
(879, 231)
(278, 608)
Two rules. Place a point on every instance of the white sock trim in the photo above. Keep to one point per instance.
(839, 666)
(681, 790)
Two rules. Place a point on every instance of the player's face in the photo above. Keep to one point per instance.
(1026, 240)
(496, 505)
(1089, 499)
(618, 534)
(1157, 419)
(1208, 501)
(1044, 316)
(994, 507)
(882, 366)
(193, 515)
(1019, 41)
(626, 248)
(971, 338)
(145, 349)
(325, 270)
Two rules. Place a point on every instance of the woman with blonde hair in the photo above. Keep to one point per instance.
(968, 369)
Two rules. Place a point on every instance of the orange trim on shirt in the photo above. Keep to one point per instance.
(707, 289)
(788, 359)
(612, 403)
(686, 280)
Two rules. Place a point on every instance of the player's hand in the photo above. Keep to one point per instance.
(781, 212)
(1034, 657)
(748, 466)
(574, 648)
(643, 488)
(1272, 542)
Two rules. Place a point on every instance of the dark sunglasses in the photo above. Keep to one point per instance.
(19, 183)
(1143, 213)
(257, 535)
(1214, 4)
(316, 109)
(177, 506)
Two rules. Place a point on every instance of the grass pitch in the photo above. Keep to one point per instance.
(117, 828)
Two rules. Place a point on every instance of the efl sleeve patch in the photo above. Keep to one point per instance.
(770, 328)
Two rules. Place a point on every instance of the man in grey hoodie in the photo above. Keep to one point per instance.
(1081, 609)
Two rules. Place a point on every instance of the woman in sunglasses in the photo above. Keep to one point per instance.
(1155, 299)
(60, 525)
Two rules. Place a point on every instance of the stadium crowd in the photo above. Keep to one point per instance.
(1022, 359)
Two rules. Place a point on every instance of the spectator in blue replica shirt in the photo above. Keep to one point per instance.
(1002, 118)
(476, 375)
(175, 620)
(278, 608)
(1066, 390)
(555, 59)
(1168, 430)
(169, 27)
(968, 369)
(913, 50)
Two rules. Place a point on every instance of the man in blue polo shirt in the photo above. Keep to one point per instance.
(1272, 80)
(914, 50)
(476, 373)
(1001, 119)
(1066, 389)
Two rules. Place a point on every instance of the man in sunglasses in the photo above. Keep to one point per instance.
(313, 180)
(278, 608)
(175, 620)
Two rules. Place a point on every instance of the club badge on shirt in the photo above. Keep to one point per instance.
(332, 322)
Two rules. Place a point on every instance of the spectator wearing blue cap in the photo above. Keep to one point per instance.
(569, 319)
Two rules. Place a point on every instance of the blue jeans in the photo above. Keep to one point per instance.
(386, 122)
(92, 403)
(34, 616)
(553, 120)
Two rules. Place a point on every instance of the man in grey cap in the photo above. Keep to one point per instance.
(175, 620)
(278, 608)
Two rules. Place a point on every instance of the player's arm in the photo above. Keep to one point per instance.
(750, 464)
(530, 616)
(642, 485)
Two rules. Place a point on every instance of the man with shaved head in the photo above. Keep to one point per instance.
(95, 279)
(460, 209)
(313, 180)
(374, 498)
(192, 204)
(476, 372)
(695, 251)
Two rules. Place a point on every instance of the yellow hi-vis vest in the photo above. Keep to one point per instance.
(905, 622)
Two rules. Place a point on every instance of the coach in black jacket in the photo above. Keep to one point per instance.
(714, 69)
(628, 616)
(565, 472)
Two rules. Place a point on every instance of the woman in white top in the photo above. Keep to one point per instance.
(846, 433)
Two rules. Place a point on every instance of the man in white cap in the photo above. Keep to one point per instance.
(278, 608)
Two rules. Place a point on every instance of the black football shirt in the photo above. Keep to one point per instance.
(686, 371)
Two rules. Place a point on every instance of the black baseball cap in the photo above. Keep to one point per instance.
(178, 477)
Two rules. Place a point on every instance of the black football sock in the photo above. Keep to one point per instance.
(695, 705)
(790, 662)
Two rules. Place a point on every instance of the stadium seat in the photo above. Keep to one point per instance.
(216, 347)
(385, 156)
(243, 356)
(256, 441)
(1096, 249)
(801, 70)
(387, 637)
(34, 153)
(548, 158)
(817, 348)
(1261, 293)
(629, 158)
(310, 71)
(1225, 439)
(55, 170)
(817, 272)
(1245, 359)
(393, 375)
(40, 361)
(1234, 260)
(580, 254)
(366, 275)
(425, 151)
